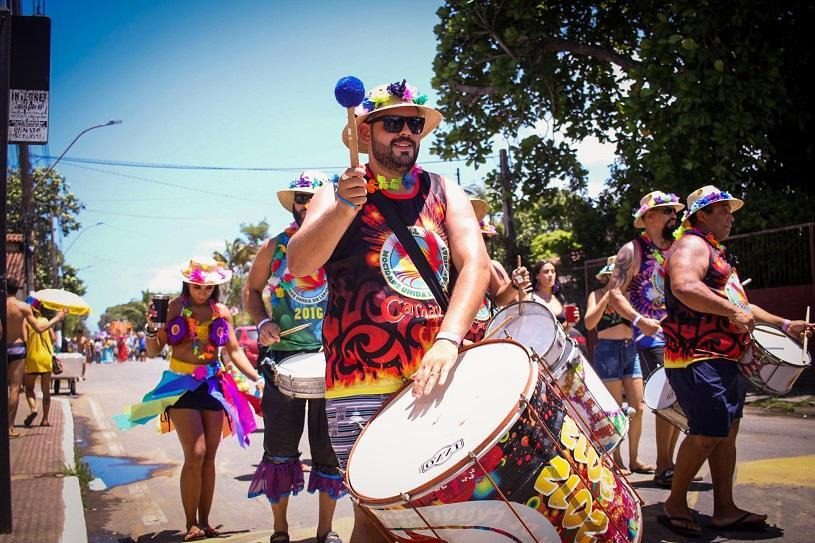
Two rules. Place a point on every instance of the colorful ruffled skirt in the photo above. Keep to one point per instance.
(183, 377)
(278, 477)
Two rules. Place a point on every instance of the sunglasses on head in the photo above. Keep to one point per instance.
(393, 123)
(302, 198)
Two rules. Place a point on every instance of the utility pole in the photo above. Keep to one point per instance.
(507, 194)
(458, 176)
(5, 452)
(27, 202)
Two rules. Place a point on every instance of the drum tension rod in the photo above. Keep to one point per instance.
(474, 458)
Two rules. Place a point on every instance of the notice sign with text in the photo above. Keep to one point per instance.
(28, 116)
(29, 79)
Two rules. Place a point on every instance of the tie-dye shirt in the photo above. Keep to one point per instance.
(293, 301)
(646, 293)
(691, 335)
(381, 316)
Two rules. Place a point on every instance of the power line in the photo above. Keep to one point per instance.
(170, 166)
(168, 184)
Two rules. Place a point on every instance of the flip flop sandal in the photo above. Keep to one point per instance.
(29, 419)
(645, 469)
(742, 524)
(279, 537)
(195, 534)
(213, 532)
(664, 478)
(687, 531)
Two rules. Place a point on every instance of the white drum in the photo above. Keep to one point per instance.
(774, 360)
(301, 375)
(535, 327)
(491, 456)
(590, 403)
(661, 398)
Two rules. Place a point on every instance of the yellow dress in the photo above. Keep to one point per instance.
(38, 349)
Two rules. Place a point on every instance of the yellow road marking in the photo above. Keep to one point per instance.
(796, 471)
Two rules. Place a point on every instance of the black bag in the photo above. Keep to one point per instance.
(56, 363)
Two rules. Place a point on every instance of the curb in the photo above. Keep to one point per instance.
(74, 529)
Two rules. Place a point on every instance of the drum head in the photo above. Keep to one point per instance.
(529, 323)
(658, 393)
(414, 446)
(780, 345)
(303, 365)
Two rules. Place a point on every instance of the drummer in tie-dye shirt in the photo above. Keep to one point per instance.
(707, 333)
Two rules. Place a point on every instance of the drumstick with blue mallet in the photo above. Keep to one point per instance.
(349, 92)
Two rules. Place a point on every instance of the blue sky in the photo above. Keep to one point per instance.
(247, 84)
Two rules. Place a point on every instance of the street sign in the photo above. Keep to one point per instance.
(28, 116)
(29, 79)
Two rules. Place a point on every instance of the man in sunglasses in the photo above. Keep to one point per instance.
(384, 323)
(278, 301)
(637, 289)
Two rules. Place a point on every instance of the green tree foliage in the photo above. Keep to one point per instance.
(691, 93)
(238, 255)
(133, 311)
(52, 198)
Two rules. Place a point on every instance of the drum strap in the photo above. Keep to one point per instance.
(407, 240)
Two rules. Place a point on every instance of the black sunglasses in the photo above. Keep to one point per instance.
(667, 210)
(393, 123)
(302, 198)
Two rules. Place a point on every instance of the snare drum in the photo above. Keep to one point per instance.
(661, 398)
(535, 327)
(590, 402)
(774, 360)
(301, 375)
(470, 463)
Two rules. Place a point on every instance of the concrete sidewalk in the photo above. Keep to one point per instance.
(46, 503)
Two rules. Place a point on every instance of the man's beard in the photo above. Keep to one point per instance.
(298, 217)
(395, 161)
(669, 229)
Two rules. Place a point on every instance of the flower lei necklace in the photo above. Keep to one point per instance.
(380, 182)
(709, 237)
(656, 252)
(185, 327)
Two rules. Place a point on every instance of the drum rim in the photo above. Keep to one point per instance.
(754, 343)
(455, 469)
(516, 303)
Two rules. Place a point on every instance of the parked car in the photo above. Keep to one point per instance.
(247, 337)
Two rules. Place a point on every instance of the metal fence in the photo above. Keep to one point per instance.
(780, 257)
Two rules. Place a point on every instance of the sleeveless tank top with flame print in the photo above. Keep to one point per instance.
(690, 335)
(381, 316)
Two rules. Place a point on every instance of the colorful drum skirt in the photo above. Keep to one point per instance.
(184, 377)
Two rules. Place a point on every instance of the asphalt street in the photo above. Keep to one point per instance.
(135, 496)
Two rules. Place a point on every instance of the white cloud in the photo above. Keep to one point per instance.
(593, 153)
(166, 279)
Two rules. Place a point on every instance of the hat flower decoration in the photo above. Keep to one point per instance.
(656, 199)
(393, 95)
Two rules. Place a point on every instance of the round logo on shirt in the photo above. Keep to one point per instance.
(402, 275)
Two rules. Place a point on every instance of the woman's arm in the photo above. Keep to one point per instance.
(236, 354)
(595, 307)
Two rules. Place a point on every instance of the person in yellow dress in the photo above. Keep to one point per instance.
(39, 352)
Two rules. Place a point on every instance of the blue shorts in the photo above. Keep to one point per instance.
(711, 392)
(616, 359)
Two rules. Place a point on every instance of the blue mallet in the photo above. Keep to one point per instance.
(349, 92)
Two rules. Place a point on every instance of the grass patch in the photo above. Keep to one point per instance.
(779, 405)
(81, 470)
